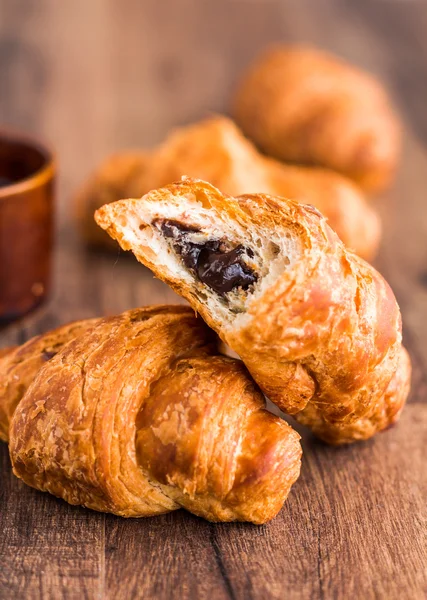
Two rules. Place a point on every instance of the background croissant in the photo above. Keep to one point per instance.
(318, 328)
(216, 151)
(140, 415)
(304, 105)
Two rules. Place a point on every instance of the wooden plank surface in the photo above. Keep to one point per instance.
(92, 77)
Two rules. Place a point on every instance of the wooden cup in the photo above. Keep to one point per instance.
(27, 171)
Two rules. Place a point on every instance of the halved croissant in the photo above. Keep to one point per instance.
(314, 323)
(140, 415)
(216, 151)
(303, 105)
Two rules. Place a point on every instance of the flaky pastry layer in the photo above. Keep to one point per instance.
(20, 365)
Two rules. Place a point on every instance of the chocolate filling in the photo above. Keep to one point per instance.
(219, 267)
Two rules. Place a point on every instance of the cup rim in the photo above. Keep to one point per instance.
(39, 177)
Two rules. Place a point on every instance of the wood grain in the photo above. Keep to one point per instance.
(92, 77)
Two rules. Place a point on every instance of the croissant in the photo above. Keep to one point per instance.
(140, 415)
(215, 150)
(303, 105)
(314, 323)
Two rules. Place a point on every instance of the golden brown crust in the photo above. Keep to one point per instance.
(303, 105)
(327, 331)
(341, 202)
(383, 415)
(216, 151)
(332, 314)
(19, 366)
(140, 415)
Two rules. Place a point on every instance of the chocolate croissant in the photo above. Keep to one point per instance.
(303, 105)
(140, 415)
(215, 150)
(318, 328)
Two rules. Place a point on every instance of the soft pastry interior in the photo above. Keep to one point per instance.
(226, 263)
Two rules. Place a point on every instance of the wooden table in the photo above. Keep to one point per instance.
(92, 77)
